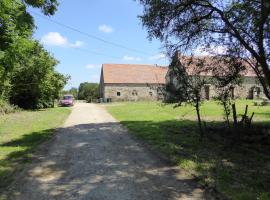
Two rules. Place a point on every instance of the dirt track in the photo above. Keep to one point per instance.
(92, 157)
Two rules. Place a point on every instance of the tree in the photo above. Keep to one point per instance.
(34, 82)
(16, 22)
(57, 82)
(48, 7)
(240, 28)
(225, 80)
(88, 91)
(27, 71)
(15, 28)
(187, 81)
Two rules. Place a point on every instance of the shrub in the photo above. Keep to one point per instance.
(263, 102)
(6, 108)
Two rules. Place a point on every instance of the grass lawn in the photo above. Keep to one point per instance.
(240, 172)
(20, 135)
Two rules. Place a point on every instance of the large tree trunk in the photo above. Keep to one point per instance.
(266, 80)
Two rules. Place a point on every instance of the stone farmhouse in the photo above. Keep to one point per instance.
(133, 82)
(126, 82)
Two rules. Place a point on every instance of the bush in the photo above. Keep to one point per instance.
(6, 108)
(263, 102)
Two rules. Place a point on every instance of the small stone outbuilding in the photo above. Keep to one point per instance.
(131, 82)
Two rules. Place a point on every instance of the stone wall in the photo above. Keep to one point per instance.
(146, 92)
(250, 89)
(132, 92)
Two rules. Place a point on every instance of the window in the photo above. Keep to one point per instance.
(118, 94)
(134, 93)
(68, 97)
(207, 92)
(257, 92)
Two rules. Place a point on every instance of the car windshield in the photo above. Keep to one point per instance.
(67, 97)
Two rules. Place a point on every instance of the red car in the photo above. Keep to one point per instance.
(68, 100)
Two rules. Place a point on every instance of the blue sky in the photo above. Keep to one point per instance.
(113, 20)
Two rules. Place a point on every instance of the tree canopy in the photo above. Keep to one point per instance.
(27, 71)
(88, 91)
(239, 29)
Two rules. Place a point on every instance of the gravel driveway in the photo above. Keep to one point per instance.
(92, 157)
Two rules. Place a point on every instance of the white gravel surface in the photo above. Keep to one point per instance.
(92, 157)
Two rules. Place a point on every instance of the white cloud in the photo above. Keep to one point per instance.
(56, 39)
(90, 66)
(158, 56)
(77, 44)
(131, 58)
(210, 51)
(105, 28)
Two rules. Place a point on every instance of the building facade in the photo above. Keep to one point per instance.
(249, 88)
(127, 82)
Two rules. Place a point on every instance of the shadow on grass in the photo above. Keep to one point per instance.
(23, 148)
(263, 114)
(241, 171)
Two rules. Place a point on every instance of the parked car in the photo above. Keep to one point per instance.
(68, 100)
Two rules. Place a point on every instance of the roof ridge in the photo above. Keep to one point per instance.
(150, 65)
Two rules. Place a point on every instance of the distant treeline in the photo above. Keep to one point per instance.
(87, 91)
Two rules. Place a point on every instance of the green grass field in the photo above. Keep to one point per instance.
(240, 172)
(20, 135)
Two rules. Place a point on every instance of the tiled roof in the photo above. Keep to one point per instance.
(133, 73)
(210, 62)
(152, 74)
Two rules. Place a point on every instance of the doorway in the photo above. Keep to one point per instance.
(207, 92)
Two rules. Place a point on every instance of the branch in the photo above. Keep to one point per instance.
(235, 32)
(260, 77)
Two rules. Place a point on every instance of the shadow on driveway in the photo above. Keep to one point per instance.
(98, 161)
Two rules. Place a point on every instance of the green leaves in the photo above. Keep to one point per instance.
(35, 83)
(48, 7)
(240, 27)
(88, 91)
(2, 54)
(27, 71)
